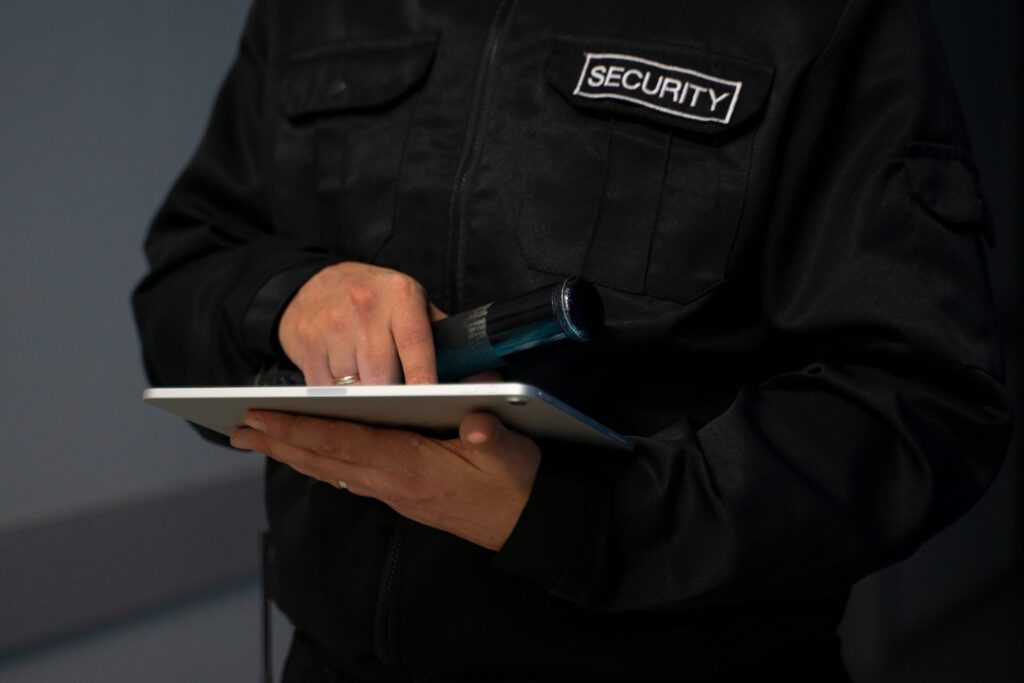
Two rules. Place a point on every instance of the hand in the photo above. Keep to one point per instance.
(475, 486)
(354, 318)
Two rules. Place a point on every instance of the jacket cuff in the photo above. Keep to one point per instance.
(262, 315)
(548, 531)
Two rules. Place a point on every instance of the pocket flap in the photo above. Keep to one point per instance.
(669, 84)
(355, 75)
(943, 183)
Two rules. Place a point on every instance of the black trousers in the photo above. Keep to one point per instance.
(308, 663)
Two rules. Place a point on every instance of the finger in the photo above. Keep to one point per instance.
(377, 359)
(318, 372)
(345, 441)
(342, 362)
(329, 470)
(298, 458)
(414, 342)
(312, 363)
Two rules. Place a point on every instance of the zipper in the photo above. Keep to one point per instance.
(468, 157)
(385, 645)
(384, 636)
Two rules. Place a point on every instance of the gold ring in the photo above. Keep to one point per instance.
(347, 379)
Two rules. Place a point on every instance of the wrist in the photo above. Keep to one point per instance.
(260, 325)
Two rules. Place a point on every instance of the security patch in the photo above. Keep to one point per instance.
(669, 89)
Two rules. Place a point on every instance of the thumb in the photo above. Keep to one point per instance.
(483, 432)
(485, 439)
(494, 448)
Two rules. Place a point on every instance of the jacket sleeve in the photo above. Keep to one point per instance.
(888, 418)
(207, 311)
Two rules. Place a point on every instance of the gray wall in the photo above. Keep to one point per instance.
(101, 497)
(107, 571)
(101, 103)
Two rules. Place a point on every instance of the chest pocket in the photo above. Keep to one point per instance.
(638, 165)
(348, 110)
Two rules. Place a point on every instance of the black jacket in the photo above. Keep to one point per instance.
(777, 202)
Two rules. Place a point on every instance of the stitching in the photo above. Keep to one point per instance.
(600, 204)
(657, 211)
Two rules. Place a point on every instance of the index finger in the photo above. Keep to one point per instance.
(414, 341)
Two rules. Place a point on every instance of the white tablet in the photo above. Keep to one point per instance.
(432, 407)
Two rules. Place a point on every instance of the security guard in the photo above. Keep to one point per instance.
(778, 205)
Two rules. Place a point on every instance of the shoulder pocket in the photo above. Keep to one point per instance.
(951, 260)
(943, 183)
(639, 163)
(347, 112)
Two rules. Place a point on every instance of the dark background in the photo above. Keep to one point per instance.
(955, 611)
(128, 548)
